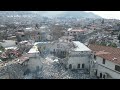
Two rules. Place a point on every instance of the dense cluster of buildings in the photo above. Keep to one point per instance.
(77, 49)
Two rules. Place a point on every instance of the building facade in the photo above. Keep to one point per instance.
(107, 62)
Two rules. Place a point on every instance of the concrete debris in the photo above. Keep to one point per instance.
(13, 71)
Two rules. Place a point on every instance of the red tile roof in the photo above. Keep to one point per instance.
(108, 53)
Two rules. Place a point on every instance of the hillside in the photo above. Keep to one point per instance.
(79, 14)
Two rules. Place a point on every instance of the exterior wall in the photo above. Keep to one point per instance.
(108, 67)
(55, 47)
(79, 60)
(76, 35)
(61, 50)
(104, 70)
(34, 54)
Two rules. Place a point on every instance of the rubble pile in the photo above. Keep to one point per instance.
(14, 71)
(54, 70)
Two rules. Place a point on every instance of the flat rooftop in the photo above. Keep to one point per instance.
(34, 49)
(36, 43)
(76, 30)
(80, 46)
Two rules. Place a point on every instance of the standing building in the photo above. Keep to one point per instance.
(78, 34)
(79, 56)
(75, 55)
(107, 60)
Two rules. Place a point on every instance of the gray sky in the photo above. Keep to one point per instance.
(107, 14)
(104, 14)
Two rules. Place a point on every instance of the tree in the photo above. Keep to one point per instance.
(113, 45)
(39, 36)
(103, 43)
(119, 37)
(2, 48)
(1, 36)
(36, 26)
(57, 31)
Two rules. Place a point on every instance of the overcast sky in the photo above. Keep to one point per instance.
(104, 14)
(107, 14)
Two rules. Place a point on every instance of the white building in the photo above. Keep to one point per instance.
(34, 52)
(75, 54)
(60, 47)
(79, 56)
(76, 33)
(107, 61)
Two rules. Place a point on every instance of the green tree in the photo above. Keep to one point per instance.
(119, 37)
(103, 43)
(113, 45)
(57, 31)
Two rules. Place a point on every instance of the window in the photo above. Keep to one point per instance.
(117, 68)
(100, 75)
(104, 76)
(70, 66)
(78, 66)
(61, 52)
(103, 61)
(83, 65)
(22, 35)
(94, 57)
(96, 73)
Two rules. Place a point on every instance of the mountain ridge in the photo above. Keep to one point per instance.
(51, 14)
(79, 14)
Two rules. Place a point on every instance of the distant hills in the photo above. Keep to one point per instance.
(16, 13)
(37, 16)
(74, 14)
